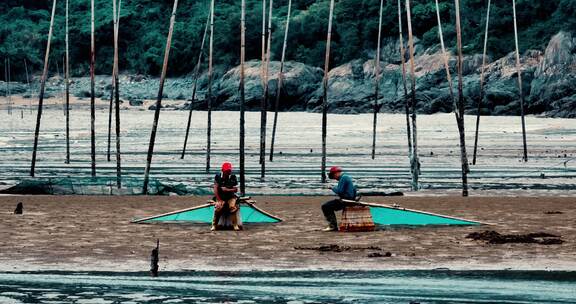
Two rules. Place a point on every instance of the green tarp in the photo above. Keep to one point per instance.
(390, 216)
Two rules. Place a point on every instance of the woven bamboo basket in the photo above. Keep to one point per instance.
(356, 219)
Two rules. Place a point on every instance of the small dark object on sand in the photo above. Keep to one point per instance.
(553, 212)
(154, 259)
(19, 208)
(493, 237)
(380, 255)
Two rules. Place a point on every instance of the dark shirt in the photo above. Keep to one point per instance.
(345, 188)
(228, 182)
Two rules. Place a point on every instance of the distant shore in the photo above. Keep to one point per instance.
(94, 233)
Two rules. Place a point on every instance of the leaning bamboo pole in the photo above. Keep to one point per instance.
(41, 94)
(414, 161)
(115, 21)
(242, 98)
(116, 71)
(195, 85)
(263, 56)
(92, 95)
(280, 80)
(209, 99)
(519, 72)
(445, 58)
(406, 99)
(460, 107)
(325, 92)
(29, 85)
(264, 100)
(377, 81)
(67, 84)
(481, 93)
(159, 99)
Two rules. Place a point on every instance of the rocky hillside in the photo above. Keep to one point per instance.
(549, 83)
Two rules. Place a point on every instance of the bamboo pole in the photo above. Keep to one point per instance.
(325, 92)
(116, 71)
(481, 97)
(242, 97)
(377, 81)
(264, 101)
(67, 84)
(414, 161)
(210, 76)
(460, 108)
(519, 71)
(92, 95)
(263, 57)
(280, 80)
(29, 85)
(445, 58)
(406, 100)
(41, 94)
(8, 88)
(159, 99)
(115, 17)
(196, 76)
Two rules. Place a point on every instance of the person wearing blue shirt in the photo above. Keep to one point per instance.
(345, 190)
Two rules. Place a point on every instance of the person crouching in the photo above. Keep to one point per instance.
(345, 190)
(225, 188)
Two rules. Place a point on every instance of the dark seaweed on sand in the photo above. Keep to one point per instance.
(493, 237)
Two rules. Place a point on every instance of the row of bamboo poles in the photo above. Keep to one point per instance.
(409, 97)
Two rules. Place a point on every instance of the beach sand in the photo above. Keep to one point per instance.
(95, 233)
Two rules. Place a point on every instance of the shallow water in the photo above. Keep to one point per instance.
(436, 286)
(551, 168)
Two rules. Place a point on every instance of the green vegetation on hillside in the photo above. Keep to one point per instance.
(144, 24)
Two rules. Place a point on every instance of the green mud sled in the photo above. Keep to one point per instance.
(249, 214)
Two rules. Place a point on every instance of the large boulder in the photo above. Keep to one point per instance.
(555, 76)
(299, 81)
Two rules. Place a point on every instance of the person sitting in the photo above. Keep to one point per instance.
(345, 190)
(225, 188)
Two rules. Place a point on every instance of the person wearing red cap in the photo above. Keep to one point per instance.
(225, 188)
(345, 190)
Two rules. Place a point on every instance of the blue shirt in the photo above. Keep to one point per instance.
(345, 188)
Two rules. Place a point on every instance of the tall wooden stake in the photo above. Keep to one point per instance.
(210, 76)
(325, 92)
(41, 94)
(377, 81)
(196, 76)
(460, 108)
(159, 99)
(280, 80)
(242, 97)
(481, 97)
(519, 71)
(115, 17)
(406, 99)
(414, 161)
(264, 101)
(116, 86)
(92, 96)
(67, 84)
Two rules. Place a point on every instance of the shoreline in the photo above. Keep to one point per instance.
(94, 233)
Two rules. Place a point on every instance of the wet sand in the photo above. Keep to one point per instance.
(95, 233)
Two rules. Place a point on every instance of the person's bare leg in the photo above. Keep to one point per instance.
(233, 207)
(217, 214)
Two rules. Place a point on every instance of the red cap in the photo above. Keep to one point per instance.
(333, 171)
(226, 166)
